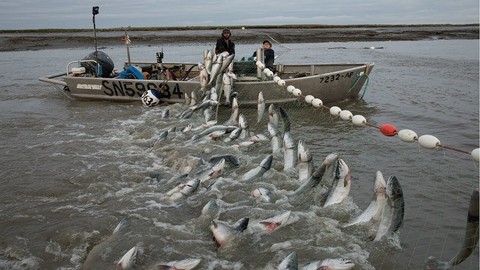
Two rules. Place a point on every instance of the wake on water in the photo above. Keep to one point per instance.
(176, 230)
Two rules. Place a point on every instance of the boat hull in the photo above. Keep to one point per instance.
(332, 83)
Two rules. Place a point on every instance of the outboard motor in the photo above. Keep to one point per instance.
(105, 64)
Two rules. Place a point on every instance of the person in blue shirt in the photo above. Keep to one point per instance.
(269, 55)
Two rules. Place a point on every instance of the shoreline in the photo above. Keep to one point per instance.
(27, 40)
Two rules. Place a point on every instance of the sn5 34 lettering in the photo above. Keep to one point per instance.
(128, 88)
(335, 77)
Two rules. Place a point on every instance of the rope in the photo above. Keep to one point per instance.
(357, 81)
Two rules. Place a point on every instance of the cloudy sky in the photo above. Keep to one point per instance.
(34, 14)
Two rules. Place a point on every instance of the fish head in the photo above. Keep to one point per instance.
(304, 154)
(380, 183)
(242, 121)
(394, 190)
(267, 162)
(273, 129)
(128, 259)
(260, 99)
(290, 262)
(222, 232)
(330, 159)
(190, 187)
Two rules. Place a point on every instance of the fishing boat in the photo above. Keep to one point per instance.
(328, 82)
(94, 78)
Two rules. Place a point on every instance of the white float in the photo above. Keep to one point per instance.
(260, 65)
(317, 103)
(309, 99)
(428, 141)
(359, 120)
(297, 92)
(407, 135)
(281, 82)
(335, 111)
(346, 115)
(476, 154)
(290, 88)
(276, 79)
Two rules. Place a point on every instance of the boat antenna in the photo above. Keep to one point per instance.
(95, 12)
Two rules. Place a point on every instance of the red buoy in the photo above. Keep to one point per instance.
(388, 130)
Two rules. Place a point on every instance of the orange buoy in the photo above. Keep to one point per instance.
(388, 130)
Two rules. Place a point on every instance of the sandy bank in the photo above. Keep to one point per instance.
(20, 41)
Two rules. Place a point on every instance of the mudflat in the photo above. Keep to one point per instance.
(22, 40)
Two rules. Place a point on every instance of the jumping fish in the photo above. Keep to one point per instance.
(376, 206)
(341, 185)
(285, 119)
(186, 264)
(187, 113)
(193, 99)
(214, 128)
(394, 210)
(305, 161)
(289, 263)
(128, 259)
(213, 172)
(203, 77)
(260, 107)
(235, 112)
(235, 134)
(216, 69)
(470, 240)
(242, 122)
(223, 232)
(97, 252)
(208, 113)
(183, 190)
(227, 81)
(227, 60)
(272, 114)
(276, 141)
(328, 167)
(330, 264)
(208, 60)
(289, 152)
(259, 170)
(234, 160)
(312, 181)
(213, 94)
(272, 224)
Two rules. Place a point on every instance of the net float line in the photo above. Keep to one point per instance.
(387, 129)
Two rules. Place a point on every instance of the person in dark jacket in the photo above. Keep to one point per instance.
(224, 44)
(269, 55)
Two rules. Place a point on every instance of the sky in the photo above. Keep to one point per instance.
(34, 14)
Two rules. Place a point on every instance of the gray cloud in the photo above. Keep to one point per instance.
(28, 14)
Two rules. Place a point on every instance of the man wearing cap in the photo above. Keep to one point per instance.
(224, 44)
(269, 55)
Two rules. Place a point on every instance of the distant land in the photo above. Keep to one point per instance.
(37, 39)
